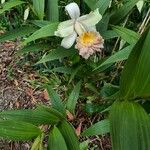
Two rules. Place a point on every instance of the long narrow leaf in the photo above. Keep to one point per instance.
(72, 100)
(15, 33)
(55, 100)
(37, 144)
(69, 135)
(118, 56)
(58, 53)
(16, 130)
(128, 35)
(130, 126)
(10, 4)
(38, 6)
(56, 140)
(52, 10)
(123, 11)
(99, 128)
(101, 4)
(45, 31)
(37, 117)
(135, 77)
(34, 48)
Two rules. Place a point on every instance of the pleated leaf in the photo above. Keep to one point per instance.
(126, 34)
(45, 31)
(34, 48)
(130, 126)
(55, 100)
(17, 130)
(58, 53)
(69, 135)
(37, 117)
(72, 100)
(135, 77)
(52, 111)
(56, 140)
(15, 33)
(10, 4)
(38, 143)
(101, 4)
(109, 34)
(99, 128)
(118, 56)
(52, 10)
(38, 6)
(123, 11)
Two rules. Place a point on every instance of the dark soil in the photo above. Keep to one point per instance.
(15, 91)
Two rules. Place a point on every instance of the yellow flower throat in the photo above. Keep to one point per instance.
(87, 38)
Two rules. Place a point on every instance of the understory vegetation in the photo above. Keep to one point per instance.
(92, 59)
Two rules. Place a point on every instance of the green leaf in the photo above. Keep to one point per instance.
(74, 72)
(38, 143)
(135, 77)
(130, 126)
(15, 33)
(34, 48)
(56, 140)
(74, 96)
(37, 116)
(38, 6)
(101, 4)
(52, 111)
(52, 10)
(123, 11)
(58, 53)
(108, 90)
(92, 108)
(118, 56)
(10, 4)
(64, 70)
(45, 31)
(69, 135)
(92, 88)
(55, 100)
(110, 34)
(84, 145)
(102, 26)
(17, 130)
(40, 23)
(128, 35)
(99, 128)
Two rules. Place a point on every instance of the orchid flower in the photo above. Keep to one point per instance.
(2, 1)
(70, 29)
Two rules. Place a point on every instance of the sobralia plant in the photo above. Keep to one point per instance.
(127, 118)
(101, 21)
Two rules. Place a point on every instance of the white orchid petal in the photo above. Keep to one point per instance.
(2, 1)
(92, 28)
(68, 41)
(73, 10)
(65, 28)
(91, 19)
(79, 28)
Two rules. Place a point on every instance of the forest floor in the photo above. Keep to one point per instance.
(16, 92)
